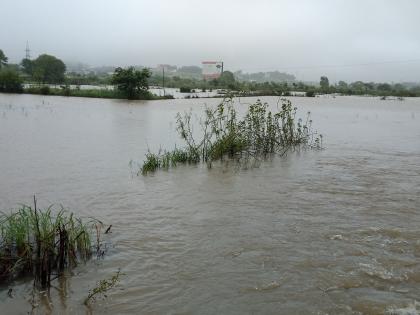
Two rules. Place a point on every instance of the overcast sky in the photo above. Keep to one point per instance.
(376, 40)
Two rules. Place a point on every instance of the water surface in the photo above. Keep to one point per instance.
(316, 232)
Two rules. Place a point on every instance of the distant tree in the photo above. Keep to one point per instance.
(48, 69)
(370, 86)
(3, 59)
(227, 80)
(10, 81)
(133, 83)
(189, 72)
(358, 86)
(324, 83)
(27, 66)
(399, 87)
(385, 87)
(190, 69)
(342, 85)
(301, 86)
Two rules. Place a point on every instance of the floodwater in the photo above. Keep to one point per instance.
(335, 231)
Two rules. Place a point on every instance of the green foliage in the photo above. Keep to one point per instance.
(324, 83)
(261, 77)
(27, 66)
(48, 69)
(168, 159)
(259, 134)
(10, 81)
(45, 90)
(66, 91)
(102, 287)
(310, 93)
(3, 59)
(132, 83)
(184, 89)
(227, 80)
(40, 242)
(88, 79)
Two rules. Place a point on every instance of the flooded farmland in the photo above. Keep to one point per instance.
(335, 231)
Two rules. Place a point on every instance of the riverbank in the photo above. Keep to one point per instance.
(91, 93)
(106, 93)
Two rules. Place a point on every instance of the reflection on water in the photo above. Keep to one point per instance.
(330, 232)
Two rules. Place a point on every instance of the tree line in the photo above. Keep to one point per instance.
(46, 69)
(133, 83)
(229, 81)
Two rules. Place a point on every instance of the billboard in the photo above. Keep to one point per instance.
(212, 69)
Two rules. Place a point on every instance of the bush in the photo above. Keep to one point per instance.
(45, 90)
(66, 90)
(259, 134)
(185, 89)
(310, 94)
(10, 81)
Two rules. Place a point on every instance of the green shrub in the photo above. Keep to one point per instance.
(185, 89)
(45, 90)
(259, 134)
(10, 81)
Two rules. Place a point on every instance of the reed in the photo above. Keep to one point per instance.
(44, 242)
(258, 134)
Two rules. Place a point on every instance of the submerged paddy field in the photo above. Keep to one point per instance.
(332, 231)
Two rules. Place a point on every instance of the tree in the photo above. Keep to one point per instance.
(342, 86)
(133, 83)
(3, 59)
(325, 83)
(10, 81)
(385, 87)
(227, 80)
(48, 69)
(27, 66)
(359, 87)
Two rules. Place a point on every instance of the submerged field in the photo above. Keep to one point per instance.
(314, 232)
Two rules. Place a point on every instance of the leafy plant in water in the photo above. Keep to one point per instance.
(258, 134)
(42, 243)
(102, 287)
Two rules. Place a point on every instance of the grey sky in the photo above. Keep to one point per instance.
(308, 38)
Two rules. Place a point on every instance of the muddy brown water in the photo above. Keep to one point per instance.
(316, 232)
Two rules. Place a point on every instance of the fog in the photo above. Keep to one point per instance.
(369, 40)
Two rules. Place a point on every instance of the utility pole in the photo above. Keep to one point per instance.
(27, 51)
(222, 67)
(163, 80)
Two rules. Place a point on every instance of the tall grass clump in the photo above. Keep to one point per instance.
(44, 243)
(258, 134)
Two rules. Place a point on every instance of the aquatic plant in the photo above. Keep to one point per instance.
(102, 287)
(258, 134)
(44, 242)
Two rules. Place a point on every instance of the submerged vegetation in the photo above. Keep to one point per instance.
(44, 243)
(92, 93)
(258, 134)
(102, 287)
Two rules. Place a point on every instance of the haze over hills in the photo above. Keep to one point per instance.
(369, 40)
